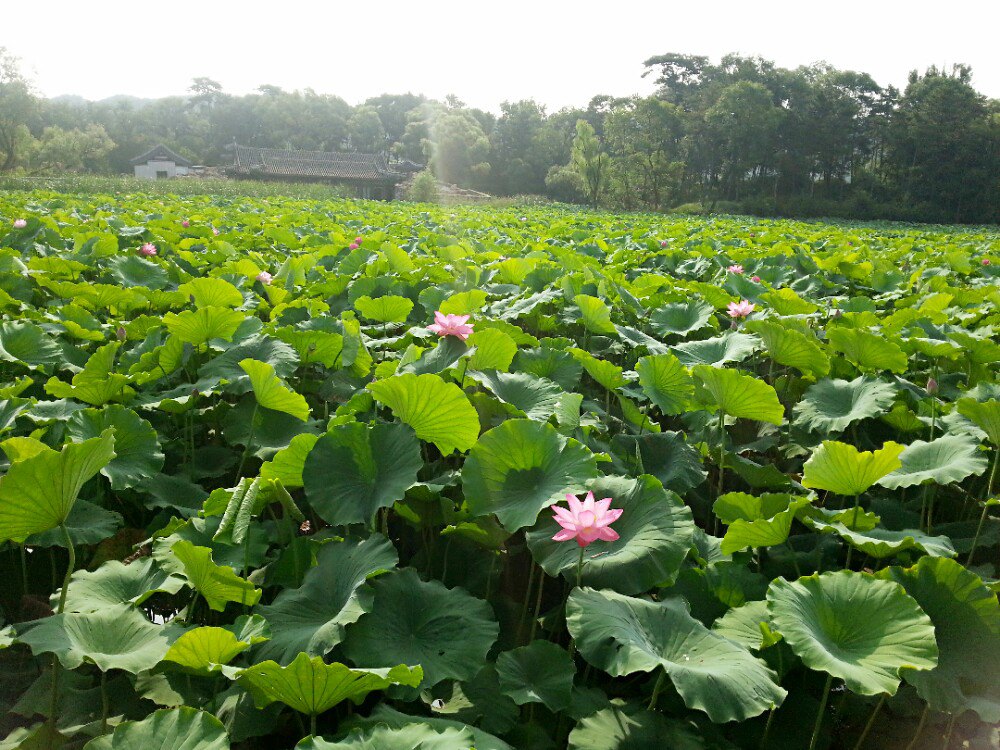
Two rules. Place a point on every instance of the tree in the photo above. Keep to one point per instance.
(365, 130)
(18, 111)
(74, 150)
(590, 162)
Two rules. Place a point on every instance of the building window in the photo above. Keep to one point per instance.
(161, 174)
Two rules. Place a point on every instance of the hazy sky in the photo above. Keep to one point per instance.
(560, 53)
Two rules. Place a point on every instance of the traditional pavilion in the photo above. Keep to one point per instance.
(371, 175)
(160, 163)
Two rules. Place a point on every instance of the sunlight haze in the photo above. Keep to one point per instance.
(560, 54)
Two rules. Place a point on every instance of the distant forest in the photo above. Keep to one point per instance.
(739, 135)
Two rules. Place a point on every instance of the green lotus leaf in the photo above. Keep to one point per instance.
(209, 291)
(10, 410)
(984, 414)
(655, 532)
(729, 347)
(311, 686)
(739, 395)
(117, 637)
(854, 519)
(87, 524)
(553, 364)
(623, 635)
(540, 672)
(665, 382)
(749, 625)
(217, 583)
(945, 460)
(167, 729)
(415, 736)
(333, 594)
(324, 347)
(199, 327)
(449, 351)
(854, 627)
(205, 650)
(438, 412)
(966, 618)
(114, 583)
(832, 405)
(867, 351)
(595, 315)
(520, 468)
(785, 301)
(665, 455)
(226, 366)
(844, 470)
(38, 493)
(463, 303)
(791, 348)
(387, 309)
(355, 469)
(681, 318)
(137, 451)
(631, 727)
(494, 350)
(23, 341)
(446, 631)
(287, 464)
(96, 383)
(271, 393)
(384, 715)
(756, 521)
(131, 270)
(882, 543)
(536, 398)
(633, 338)
(607, 374)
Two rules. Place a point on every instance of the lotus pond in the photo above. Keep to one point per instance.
(290, 473)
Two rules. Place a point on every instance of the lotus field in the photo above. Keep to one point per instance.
(283, 473)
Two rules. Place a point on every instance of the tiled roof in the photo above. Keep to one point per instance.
(322, 164)
(159, 152)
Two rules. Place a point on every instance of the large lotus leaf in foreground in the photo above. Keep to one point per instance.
(312, 617)
(946, 460)
(310, 686)
(168, 729)
(844, 470)
(438, 412)
(623, 635)
(832, 405)
(655, 533)
(38, 493)
(356, 469)
(446, 631)
(738, 395)
(855, 627)
(966, 619)
(520, 468)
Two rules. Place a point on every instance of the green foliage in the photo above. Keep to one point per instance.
(246, 501)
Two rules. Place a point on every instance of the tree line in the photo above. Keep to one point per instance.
(739, 135)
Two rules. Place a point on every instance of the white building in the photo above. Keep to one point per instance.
(160, 163)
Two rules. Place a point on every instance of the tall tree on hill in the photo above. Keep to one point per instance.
(19, 109)
(590, 161)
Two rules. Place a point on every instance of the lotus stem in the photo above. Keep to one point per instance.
(579, 569)
(527, 598)
(920, 727)
(767, 728)
(538, 605)
(312, 725)
(870, 723)
(69, 568)
(24, 570)
(951, 728)
(822, 710)
(722, 471)
(982, 516)
(656, 690)
(246, 448)
(104, 702)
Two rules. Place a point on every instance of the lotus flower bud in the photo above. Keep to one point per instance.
(932, 386)
(121, 333)
(20, 224)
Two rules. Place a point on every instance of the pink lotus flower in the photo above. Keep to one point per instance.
(735, 268)
(20, 224)
(587, 521)
(986, 261)
(741, 309)
(932, 386)
(358, 239)
(149, 250)
(353, 246)
(451, 325)
(663, 243)
(215, 231)
(185, 223)
(755, 279)
(264, 277)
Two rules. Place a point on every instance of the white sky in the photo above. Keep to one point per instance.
(484, 51)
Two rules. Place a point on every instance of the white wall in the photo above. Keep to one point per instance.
(148, 170)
